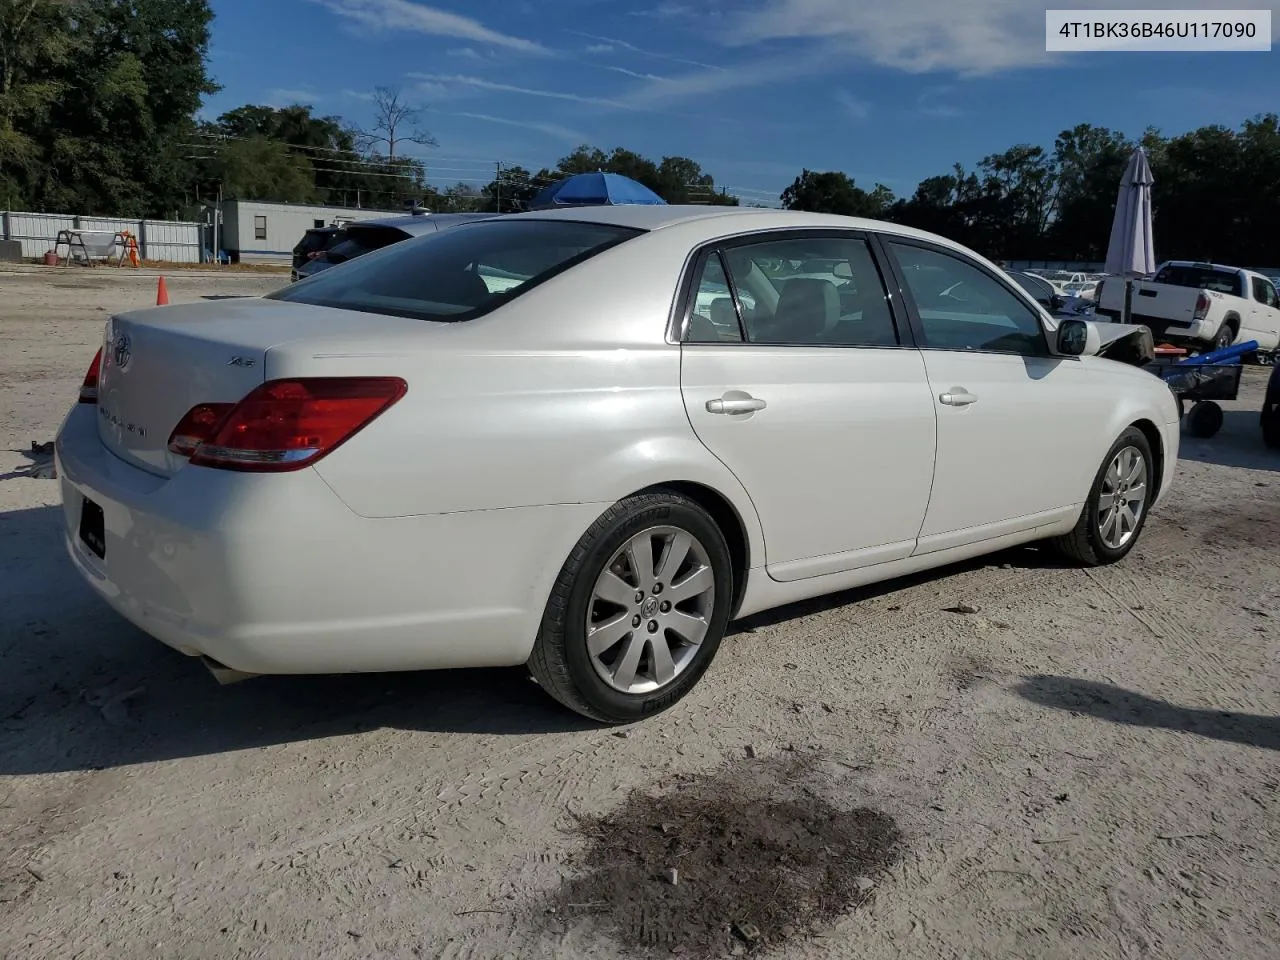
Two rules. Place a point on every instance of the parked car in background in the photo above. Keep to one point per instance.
(313, 243)
(522, 441)
(1057, 302)
(364, 236)
(1206, 305)
(1085, 289)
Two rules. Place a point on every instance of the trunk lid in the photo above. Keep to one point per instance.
(159, 363)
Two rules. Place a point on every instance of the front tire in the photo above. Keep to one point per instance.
(638, 610)
(1116, 512)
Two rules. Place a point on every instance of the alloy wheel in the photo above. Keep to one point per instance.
(650, 609)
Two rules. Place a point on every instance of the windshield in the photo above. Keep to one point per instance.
(459, 273)
(1202, 278)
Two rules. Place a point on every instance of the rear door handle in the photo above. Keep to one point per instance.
(958, 397)
(735, 405)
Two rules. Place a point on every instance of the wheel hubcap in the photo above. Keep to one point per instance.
(650, 610)
(1123, 497)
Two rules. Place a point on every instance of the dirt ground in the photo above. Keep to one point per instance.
(1087, 766)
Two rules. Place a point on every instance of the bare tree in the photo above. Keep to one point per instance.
(395, 122)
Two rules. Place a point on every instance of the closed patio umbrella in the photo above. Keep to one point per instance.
(1131, 251)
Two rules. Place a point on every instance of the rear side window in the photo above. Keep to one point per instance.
(1264, 292)
(1200, 278)
(459, 273)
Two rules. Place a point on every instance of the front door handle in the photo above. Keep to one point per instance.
(735, 405)
(958, 397)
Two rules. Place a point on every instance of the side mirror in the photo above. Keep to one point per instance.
(1077, 338)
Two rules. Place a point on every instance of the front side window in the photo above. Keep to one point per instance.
(962, 307)
(459, 273)
(1042, 290)
(809, 291)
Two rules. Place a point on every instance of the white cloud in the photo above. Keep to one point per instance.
(466, 53)
(667, 10)
(434, 91)
(358, 95)
(632, 48)
(921, 36)
(600, 48)
(639, 76)
(283, 97)
(416, 17)
(853, 108)
(553, 130)
(706, 82)
(480, 84)
(927, 104)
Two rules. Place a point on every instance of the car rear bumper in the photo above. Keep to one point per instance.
(1164, 331)
(274, 574)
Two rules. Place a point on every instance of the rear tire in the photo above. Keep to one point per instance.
(1225, 337)
(1107, 529)
(613, 585)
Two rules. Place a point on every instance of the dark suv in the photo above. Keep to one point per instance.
(364, 236)
(313, 243)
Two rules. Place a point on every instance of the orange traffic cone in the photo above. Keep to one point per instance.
(162, 294)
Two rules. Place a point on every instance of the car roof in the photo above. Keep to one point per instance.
(1202, 263)
(659, 217)
(418, 224)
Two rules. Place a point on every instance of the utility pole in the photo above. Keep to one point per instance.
(497, 187)
(217, 222)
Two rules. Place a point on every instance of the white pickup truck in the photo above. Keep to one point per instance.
(1203, 305)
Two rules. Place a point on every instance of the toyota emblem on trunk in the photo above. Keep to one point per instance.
(121, 351)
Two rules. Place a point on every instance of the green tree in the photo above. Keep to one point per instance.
(835, 192)
(127, 77)
(37, 43)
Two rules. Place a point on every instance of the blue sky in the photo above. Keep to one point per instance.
(754, 90)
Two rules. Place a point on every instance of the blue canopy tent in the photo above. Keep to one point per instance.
(593, 190)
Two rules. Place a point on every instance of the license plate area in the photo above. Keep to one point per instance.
(93, 528)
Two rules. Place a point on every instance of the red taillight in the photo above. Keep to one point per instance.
(286, 424)
(89, 389)
(197, 427)
(1202, 306)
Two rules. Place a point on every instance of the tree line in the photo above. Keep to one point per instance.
(1216, 196)
(99, 104)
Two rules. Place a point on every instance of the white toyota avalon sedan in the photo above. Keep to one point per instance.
(587, 440)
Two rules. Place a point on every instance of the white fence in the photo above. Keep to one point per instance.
(169, 240)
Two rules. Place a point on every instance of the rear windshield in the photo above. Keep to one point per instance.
(352, 243)
(459, 273)
(315, 239)
(1201, 278)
